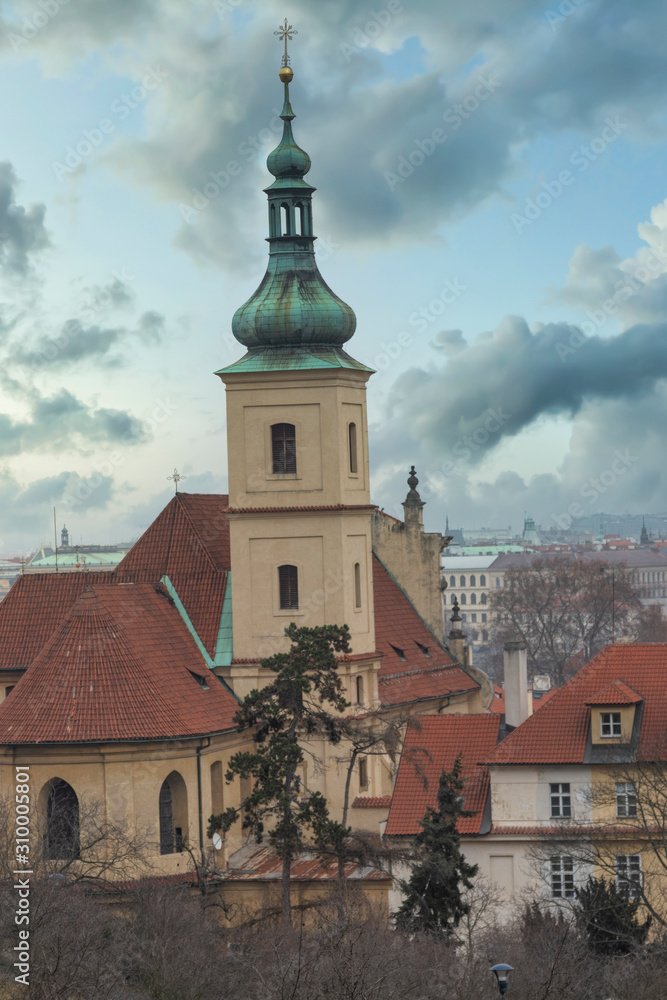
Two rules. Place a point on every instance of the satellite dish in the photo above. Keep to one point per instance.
(217, 841)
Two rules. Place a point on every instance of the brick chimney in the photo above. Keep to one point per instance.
(515, 662)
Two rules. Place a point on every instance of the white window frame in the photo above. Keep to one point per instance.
(626, 800)
(613, 721)
(628, 868)
(560, 798)
(561, 876)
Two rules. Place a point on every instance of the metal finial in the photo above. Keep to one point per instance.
(177, 478)
(286, 33)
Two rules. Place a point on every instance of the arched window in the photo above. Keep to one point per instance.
(285, 221)
(216, 788)
(452, 581)
(463, 581)
(497, 581)
(463, 599)
(482, 581)
(473, 598)
(357, 585)
(62, 841)
(483, 599)
(360, 690)
(283, 444)
(352, 447)
(452, 599)
(273, 222)
(173, 813)
(288, 585)
(473, 580)
(298, 219)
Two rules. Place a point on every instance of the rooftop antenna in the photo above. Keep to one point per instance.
(177, 478)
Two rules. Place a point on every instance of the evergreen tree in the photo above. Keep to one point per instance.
(608, 917)
(434, 902)
(296, 705)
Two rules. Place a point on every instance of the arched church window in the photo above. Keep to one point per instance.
(288, 583)
(283, 444)
(473, 598)
(173, 814)
(285, 221)
(360, 690)
(62, 821)
(357, 585)
(352, 446)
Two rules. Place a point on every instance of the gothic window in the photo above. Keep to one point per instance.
(352, 447)
(288, 583)
(283, 444)
(62, 821)
(357, 586)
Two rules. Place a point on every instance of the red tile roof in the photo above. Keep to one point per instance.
(616, 693)
(121, 666)
(558, 733)
(32, 609)
(540, 698)
(432, 744)
(371, 802)
(261, 863)
(188, 542)
(416, 675)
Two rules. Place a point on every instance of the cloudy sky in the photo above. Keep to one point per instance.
(491, 201)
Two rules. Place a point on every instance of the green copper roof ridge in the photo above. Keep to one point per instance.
(171, 590)
(224, 644)
(300, 358)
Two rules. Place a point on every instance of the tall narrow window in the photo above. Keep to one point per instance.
(357, 585)
(283, 444)
(363, 773)
(288, 580)
(562, 876)
(561, 799)
(62, 822)
(298, 219)
(273, 227)
(285, 221)
(173, 814)
(629, 874)
(352, 438)
(626, 799)
(216, 788)
(360, 690)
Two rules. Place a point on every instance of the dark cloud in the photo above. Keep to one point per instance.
(22, 230)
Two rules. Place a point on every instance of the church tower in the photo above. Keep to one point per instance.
(299, 495)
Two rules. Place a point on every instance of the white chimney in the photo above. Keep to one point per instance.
(515, 662)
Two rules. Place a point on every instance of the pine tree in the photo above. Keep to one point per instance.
(295, 705)
(608, 917)
(434, 902)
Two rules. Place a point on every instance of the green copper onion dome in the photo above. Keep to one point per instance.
(293, 306)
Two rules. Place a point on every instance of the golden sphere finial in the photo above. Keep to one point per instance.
(286, 74)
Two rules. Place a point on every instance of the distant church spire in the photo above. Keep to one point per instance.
(643, 538)
(293, 308)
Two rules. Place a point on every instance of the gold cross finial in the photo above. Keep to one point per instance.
(286, 33)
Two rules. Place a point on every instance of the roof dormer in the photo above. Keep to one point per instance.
(613, 713)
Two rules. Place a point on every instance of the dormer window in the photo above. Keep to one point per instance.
(610, 724)
(283, 444)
